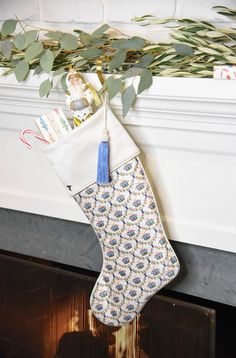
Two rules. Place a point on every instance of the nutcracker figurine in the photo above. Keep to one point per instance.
(78, 97)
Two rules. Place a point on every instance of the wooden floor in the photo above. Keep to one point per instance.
(45, 313)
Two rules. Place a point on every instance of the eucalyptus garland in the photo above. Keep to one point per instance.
(195, 47)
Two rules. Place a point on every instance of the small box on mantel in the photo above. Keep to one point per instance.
(224, 72)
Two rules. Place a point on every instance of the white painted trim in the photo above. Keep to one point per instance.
(193, 120)
(25, 201)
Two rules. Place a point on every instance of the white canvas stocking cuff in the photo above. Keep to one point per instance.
(74, 157)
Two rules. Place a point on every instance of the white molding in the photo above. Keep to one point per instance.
(179, 229)
(25, 201)
(186, 130)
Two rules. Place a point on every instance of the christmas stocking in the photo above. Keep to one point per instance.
(138, 259)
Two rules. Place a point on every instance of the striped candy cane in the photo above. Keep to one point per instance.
(29, 131)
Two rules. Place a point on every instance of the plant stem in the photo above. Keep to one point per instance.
(20, 23)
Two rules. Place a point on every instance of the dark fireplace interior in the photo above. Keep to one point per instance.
(45, 313)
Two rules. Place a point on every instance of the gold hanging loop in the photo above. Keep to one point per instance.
(99, 71)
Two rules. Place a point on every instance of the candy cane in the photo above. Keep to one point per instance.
(29, 131)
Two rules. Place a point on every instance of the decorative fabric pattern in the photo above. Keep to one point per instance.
(138, 260)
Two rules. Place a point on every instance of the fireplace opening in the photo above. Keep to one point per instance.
(45, 313)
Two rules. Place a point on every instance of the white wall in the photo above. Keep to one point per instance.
(89, 13)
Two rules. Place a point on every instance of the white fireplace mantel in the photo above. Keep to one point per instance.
(186, 129)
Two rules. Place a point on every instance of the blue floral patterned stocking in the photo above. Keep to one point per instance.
(138, 260)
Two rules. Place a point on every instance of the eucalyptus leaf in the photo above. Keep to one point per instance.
(135, 43)
(30, 37)
(85, 38)
(72, 56)
(118, 59)
(21, 70)
(145, 61)
(6, 48)
(45, 88)
(92, 52)
(132, 72)
(34, 50)
(78, 31)
(101, 30)
(114, 86)
(128, 98)
(19, 41)
(56, 53)
(15, 62)
(63, 82)
(46, 61)
(54, 35)
(98, 40)
(69, 42)
(80, 63)
(38, 70)
(58, 72)
(183, 50)
(8, 27)
(121, 43)
(145, 80)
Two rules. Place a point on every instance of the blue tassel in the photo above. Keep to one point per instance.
(103, 161)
